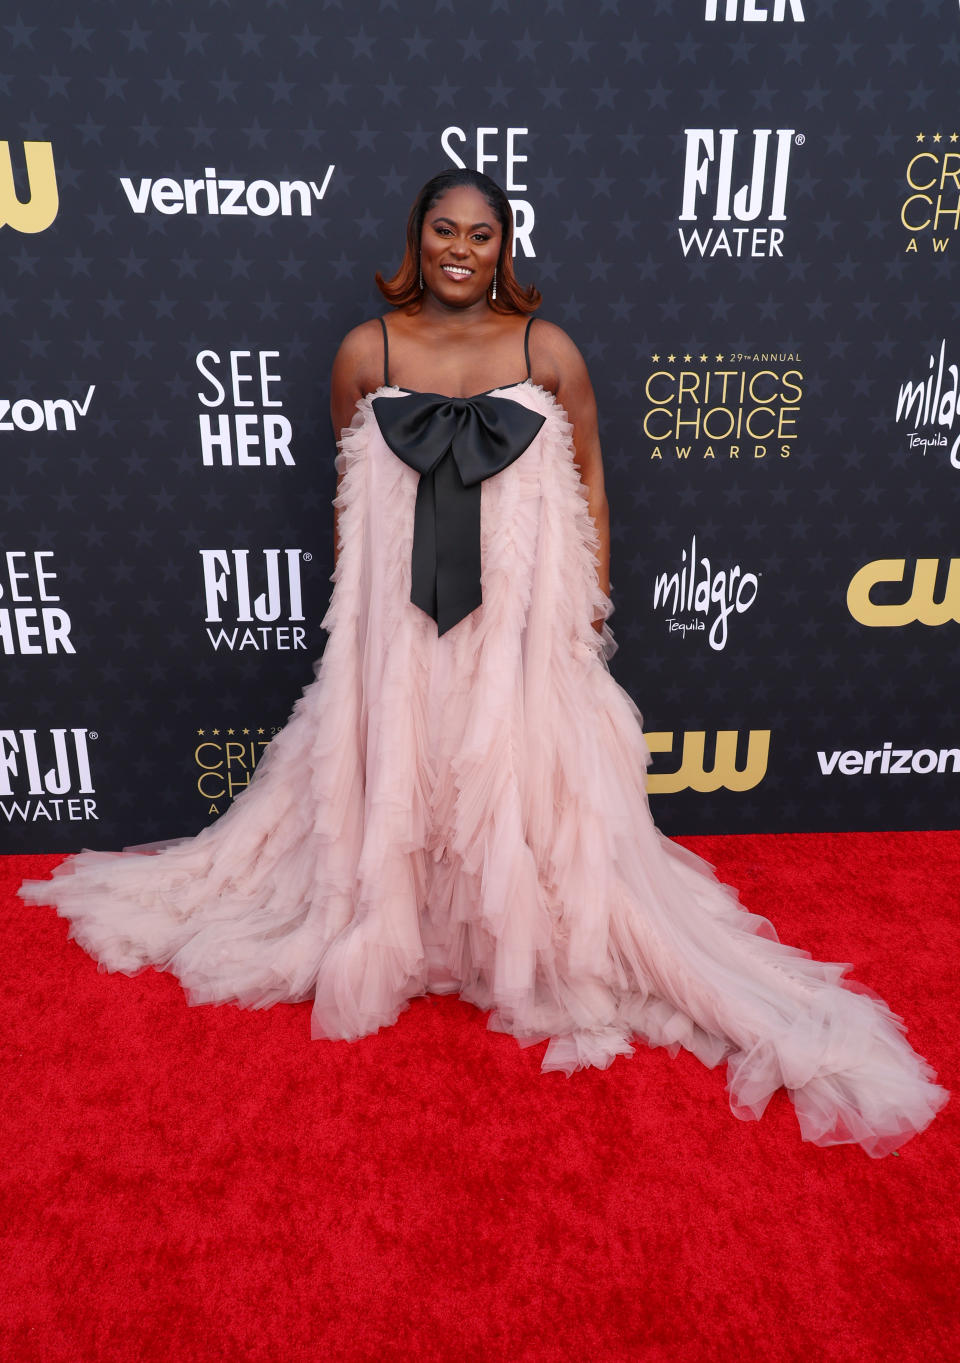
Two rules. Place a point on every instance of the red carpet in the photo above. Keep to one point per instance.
(203, 1185)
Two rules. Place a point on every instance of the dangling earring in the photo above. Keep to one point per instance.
(494, 291)
(420, 272)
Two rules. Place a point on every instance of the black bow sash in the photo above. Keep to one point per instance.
(454, 444)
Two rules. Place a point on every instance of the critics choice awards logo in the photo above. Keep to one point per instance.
(932, 597)
(930, 205)
(230, 433)
(225, 758)
(248, 599)
(735, 191)
(34, 208)
(45, 776)
(728, 407)
(30, 622)
(932, 405)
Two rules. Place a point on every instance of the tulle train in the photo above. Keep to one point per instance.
(467, 813)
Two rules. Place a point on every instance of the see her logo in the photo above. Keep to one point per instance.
(751, 12)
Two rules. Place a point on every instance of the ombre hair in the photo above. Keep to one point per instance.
(404, 288)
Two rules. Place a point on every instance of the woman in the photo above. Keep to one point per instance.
(457, 802)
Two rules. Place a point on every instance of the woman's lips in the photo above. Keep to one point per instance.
(459, 273)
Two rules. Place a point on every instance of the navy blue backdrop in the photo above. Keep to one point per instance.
(744, 213)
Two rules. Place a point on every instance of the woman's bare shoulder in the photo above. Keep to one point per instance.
(358, 363)
(362, 341)
(553, 352)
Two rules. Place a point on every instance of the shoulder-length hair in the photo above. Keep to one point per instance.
(404, 288)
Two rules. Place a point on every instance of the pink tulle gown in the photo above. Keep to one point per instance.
(465, 811)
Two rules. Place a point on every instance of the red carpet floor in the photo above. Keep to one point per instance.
(204, 1185)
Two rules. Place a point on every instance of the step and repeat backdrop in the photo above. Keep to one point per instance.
(746, 215)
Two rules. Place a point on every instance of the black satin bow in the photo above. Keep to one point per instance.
(454, 444)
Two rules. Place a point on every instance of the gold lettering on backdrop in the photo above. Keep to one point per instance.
(38, 211)
(920, 606)
(692, 774)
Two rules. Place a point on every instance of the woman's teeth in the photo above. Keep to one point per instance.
(456, 272)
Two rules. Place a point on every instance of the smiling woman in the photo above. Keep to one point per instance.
(458, 803)
(443, 240)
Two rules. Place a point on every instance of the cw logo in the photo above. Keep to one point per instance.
(692, 774)
(921, 605)
(37, 212)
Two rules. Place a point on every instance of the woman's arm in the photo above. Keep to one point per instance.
(561, 366)
(356, 369)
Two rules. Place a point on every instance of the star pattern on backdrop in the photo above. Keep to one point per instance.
(125, 302)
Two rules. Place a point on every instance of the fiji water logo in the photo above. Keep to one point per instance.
(45, 775)
(700, 599)
(715, 159)
(258, 620)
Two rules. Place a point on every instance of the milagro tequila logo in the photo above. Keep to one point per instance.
(229, 584)
(932, 405)
(714, 157)
(496, 148)
(700, 599)
(752, 12)
(225, 198)
(31, 790)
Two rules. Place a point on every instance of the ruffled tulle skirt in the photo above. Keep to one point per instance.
(467, 813)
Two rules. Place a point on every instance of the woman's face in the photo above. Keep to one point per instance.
(459, 247)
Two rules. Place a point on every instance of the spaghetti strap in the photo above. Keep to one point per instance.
(386, 355)
(526, 345)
